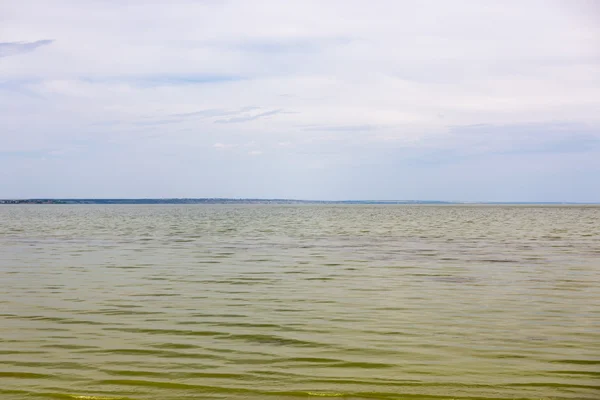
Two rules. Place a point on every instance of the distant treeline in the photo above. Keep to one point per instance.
(254, 201)
(211, 201)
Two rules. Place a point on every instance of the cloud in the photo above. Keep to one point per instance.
(15, 48)
(556, 137)
(223, 146)
(208, 113)
(289, 45)
(340, 128)
(158, 80)
(157, 122)
(246, 118)
(395, 100)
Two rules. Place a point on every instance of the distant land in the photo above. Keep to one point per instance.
(252, 201)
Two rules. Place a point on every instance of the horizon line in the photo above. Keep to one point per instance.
(257, 199)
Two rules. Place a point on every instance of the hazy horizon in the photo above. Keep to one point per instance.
(303, 200)
(475, 101)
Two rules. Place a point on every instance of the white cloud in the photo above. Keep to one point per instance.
(15, 48)
(223, 146)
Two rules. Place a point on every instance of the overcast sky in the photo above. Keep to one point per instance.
(449, 100)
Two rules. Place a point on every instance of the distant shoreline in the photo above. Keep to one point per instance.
(149, 201)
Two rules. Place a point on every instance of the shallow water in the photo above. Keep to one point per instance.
(290, 302)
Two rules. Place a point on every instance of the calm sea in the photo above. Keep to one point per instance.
(292, 302)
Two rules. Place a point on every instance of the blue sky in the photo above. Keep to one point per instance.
(448, 100)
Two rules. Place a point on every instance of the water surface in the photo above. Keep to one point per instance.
(291, 302)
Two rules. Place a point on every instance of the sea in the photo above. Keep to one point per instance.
(417, 302)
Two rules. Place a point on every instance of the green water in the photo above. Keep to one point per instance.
(291, 302)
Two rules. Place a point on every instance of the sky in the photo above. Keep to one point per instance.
(431, 100)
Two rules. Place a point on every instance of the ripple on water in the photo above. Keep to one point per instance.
(286, 302)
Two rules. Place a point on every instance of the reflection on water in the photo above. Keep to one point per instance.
(287, 302)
